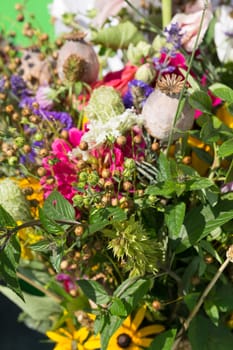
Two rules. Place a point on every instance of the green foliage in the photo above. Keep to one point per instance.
(200, 100)
(118, 37)
(163, 341)
(222, 91)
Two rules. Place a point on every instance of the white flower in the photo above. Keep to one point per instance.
(223, 34)
(100, 132)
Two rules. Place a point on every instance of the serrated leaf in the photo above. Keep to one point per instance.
(6, 220)
(9, 259)
(100, 218)
(164, 168)
(130, 287)
(174, 217)
(163, 341)
(198, 184)
(48, 224)
(201, 101)
(118, 308)
(226, 148)
(41, 246)
(222, 91)
(58, 208)
(119, 36)
(94, 291)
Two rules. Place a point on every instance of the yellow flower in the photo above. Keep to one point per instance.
(27, 236)
(74, 339)
(36, 192)
(130, 337)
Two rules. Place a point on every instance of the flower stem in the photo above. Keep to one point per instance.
(187, 322)
(166, 12)
(179, 107)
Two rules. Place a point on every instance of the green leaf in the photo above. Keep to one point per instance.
(199, 183)
(38, 308)
(56, 258)
(192, 82)
(100, 218)
(41, 246)
(6, 220)
(94, 291)
(57, 207)
(226, 149)
(164, 165)
(174, 217)
(212, 311)
(200, 100)
(118, 308)
(100, 321)
(48, 224)
(109, 329)
(222, 91)
(9, 259)
(119, 36)
(163, 341)
(204, 335)
(131, 286)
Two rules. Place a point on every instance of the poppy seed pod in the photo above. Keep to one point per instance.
(159, 112)
(81, 52)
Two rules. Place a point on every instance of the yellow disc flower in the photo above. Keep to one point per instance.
(130, 337)
(74, 339)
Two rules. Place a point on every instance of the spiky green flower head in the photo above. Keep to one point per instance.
(13, 200)
(132, 245)
(105, 103)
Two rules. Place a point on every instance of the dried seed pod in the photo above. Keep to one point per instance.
(84, 57)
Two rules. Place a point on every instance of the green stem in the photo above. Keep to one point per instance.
(179, 109)
(157, 29)
(187, 322)
(166, 12)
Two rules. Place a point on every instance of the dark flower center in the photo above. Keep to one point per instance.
(124, 340)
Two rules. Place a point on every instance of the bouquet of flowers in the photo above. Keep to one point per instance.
(116, 175)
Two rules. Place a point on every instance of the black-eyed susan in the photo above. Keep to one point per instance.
(130, 337)
(74, 339)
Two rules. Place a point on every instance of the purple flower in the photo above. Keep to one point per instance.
(163, 67)
(143, 91)
(174, 36)
(18, 86)
(227, 187)
(64, 118)
(2, 84)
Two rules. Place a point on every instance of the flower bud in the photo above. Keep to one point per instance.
(146, 73)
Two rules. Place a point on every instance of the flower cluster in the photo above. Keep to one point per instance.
(116, 184)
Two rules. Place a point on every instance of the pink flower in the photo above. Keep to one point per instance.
(190, 22)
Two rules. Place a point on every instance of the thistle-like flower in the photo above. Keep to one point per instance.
(131, 245)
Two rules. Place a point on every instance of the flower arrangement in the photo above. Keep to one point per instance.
(116, 176)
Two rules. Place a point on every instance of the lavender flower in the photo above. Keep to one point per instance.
(137, 93)
(163, 67)
(174, 36)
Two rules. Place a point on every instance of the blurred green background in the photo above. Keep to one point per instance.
(15, 335)
(36, 8)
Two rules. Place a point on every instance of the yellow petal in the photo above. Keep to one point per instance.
(58, 338)
(81, 334)
(144, 342)
(92, 343)
(149, 330)
(138, 318)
